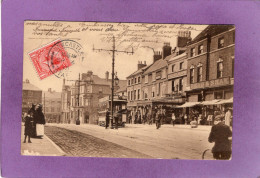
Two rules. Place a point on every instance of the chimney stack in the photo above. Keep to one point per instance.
(183, 38)
(49, 90)
(107, 75)
(167, 50)
(90, 73)
(140, 65)
(157, 55)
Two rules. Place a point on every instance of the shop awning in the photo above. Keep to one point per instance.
(212, 102)
(188, 104)
(226, 101)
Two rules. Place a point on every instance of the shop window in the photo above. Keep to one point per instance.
(221, 42)
(218, 95)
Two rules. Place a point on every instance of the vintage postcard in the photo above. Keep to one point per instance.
(127, 90)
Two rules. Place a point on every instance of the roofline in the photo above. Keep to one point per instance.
(211, 36)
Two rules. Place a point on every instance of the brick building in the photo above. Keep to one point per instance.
(85, 96)
(210, 68)
(31, 95)
(150, 87)
(52, 106)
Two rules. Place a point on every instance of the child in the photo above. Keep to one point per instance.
(28, 128)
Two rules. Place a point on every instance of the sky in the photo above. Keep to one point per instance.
(142, 38)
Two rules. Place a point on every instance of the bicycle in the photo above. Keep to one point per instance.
(207, 155)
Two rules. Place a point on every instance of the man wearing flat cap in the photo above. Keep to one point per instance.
(220, 134)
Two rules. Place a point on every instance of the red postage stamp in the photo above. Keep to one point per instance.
(50, 59)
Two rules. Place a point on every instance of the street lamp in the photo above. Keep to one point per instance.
(116, 80)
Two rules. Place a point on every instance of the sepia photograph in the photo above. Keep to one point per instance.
(128, 90)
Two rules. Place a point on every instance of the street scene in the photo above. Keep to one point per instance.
(128, 90)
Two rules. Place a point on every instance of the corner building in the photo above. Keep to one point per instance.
(210, 66)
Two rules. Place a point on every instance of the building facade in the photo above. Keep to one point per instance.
(31, 95)
(210, 68)
(157, 85)
(52, 106)
(85, 95)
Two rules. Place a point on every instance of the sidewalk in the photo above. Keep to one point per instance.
(179, 126)
(39, 147)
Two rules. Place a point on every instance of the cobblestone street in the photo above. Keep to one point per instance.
(133, 141)
(75, 143)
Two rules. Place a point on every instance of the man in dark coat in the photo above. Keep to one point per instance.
(107, 118)
(220, 134)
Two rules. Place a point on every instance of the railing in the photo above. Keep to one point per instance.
(213, 83)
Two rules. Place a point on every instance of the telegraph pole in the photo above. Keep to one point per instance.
(78, 121)
(113, 50)
(44, 103)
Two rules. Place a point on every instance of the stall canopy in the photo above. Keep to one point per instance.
(212, 102)
(226, 101)
(188, 104)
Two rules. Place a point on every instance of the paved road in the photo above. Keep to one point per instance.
(179, 142)
(75, 143)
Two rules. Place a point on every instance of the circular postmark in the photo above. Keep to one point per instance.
(64, 55)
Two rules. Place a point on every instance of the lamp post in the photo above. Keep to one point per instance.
(113, 50)
(78, 121)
